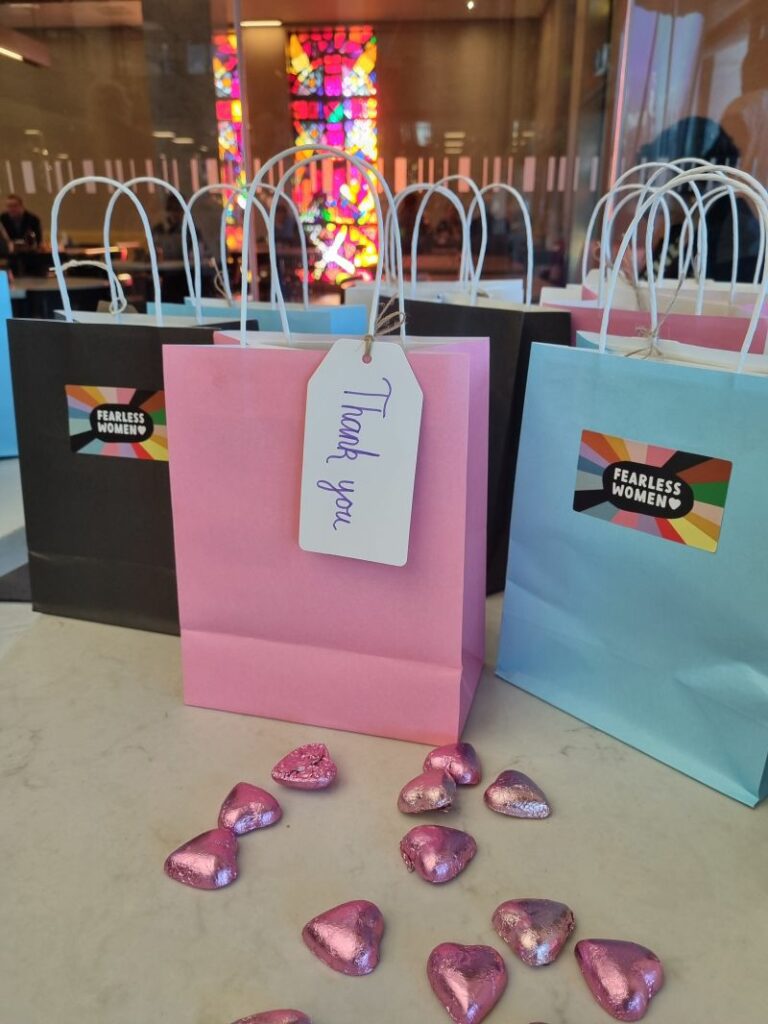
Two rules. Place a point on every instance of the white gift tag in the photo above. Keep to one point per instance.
(361, 441)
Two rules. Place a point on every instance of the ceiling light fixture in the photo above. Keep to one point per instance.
(184, 140)
(164, 135)
(10, 53)
(32, 131)
(264, 23)
(470, 5)
(454, 135)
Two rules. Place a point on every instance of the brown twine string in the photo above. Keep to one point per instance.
(388, 320)
(651, 334)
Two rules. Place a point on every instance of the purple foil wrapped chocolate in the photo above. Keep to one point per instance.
(347, 938)
(209, 861)
(436, 853)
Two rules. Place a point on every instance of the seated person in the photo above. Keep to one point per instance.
(20, 225)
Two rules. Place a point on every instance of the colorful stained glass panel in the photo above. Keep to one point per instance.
(332, 78)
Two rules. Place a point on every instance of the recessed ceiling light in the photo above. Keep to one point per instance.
(263, 23)
(184, 140)
(32, 131)
(164, 135)
(470, 5)
(454, 135)
(10, 53)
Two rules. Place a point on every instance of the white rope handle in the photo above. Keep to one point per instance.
(56, 255)
(681, 163)
(232, 191)
(194, 287)
(754, 190)
(475, 278)
(118, 304)
(302, 242)
(657, 167)
(373, 177)
(388, 243)
(510, 190)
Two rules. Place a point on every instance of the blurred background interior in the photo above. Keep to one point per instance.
(553, 96)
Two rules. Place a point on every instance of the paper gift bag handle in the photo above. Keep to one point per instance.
(512, 191)
(759, 196)
(658, 166)
(273, 247)
(392, 220)
(302, 242)
(474, 278)
(234, 192)
(193, 285)
(367, 169)
(630, 193)
(731, 191)
(640, 190)
(709, 200)
(748, 186)
(118, 304)
(225, 189)
(691, 163)
(722, 174)
(56, 256)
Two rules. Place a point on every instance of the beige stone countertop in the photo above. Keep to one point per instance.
(103, 771)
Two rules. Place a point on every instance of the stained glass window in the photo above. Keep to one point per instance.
(332, 78)
(229, 118)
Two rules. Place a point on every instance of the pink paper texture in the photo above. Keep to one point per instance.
(719, 332)
(271, 630)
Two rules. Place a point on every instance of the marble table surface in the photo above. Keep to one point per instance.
(103, 771)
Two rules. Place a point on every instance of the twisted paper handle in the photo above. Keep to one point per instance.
(118, 304)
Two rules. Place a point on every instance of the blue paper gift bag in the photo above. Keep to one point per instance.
(637, 582)
(8, 444)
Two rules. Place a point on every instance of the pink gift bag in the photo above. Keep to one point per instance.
(269, 629)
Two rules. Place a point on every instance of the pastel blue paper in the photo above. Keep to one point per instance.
(662, 645)
(317, 319)
(8, 444)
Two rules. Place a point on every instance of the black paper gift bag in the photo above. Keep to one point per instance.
(512, 331)
(90, 412)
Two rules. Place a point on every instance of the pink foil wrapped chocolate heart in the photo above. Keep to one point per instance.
(513, 793)
(436, 853)
(622, 976)
(430, 791)
(276, 1017)
(535, 930)
(307, 767)
(248, 808)
(347, 938)
(460, 760)
(209, 861)
(467, 980)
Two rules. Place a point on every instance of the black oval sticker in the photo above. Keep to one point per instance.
(121, 423)
(634, 487)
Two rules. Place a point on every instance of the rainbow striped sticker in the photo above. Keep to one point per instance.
(670, 494)
(117, 421)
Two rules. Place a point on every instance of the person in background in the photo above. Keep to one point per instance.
(167, 232)
(21, 226)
